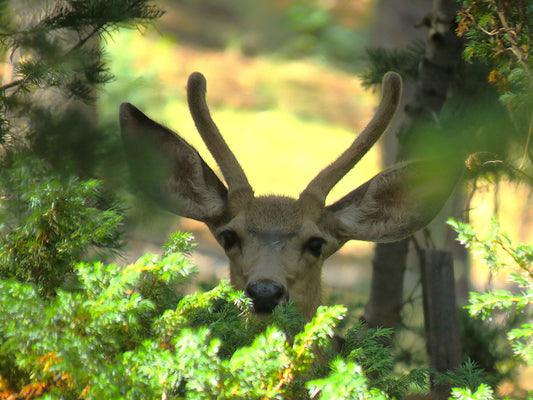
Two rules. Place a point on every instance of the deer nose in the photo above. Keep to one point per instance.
(266, 295)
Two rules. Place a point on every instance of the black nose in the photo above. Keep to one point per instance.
(266, 295)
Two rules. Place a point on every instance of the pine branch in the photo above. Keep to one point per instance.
(63, 18)
(101, 26)
(12, 84)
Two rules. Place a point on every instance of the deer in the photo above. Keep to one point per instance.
(276, 245)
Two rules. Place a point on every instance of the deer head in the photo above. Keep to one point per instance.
(276, 245)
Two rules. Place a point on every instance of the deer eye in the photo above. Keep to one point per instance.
(314, 246)
(229, 239)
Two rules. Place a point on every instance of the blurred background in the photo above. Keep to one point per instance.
(282, 87)
(285, 86)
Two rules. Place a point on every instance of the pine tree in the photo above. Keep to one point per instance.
(52, 210)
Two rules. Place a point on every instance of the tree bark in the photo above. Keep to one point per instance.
(440, 316)
(386, 292)
(441, 62)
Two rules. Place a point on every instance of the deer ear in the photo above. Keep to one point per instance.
(169, 170)
(394, 204)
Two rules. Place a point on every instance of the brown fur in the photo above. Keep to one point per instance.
(274, 231)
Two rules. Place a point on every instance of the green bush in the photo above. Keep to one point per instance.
(49, 222)
(510, 308)
(110, 339)
(130, 333)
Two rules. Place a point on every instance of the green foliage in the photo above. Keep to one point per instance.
(483, 392)
(84, 338)
(468, 376)
(366, 348)
(129, 332)
(69, 67)
(498, 252)
(335, 386)
(315, 32)
(491, 95)
(497, 34)
(485, 343)
(179, 243)
(49, 222)
(57, 59)
(268, 368)
(53, 211)
(404, 61)
(108, 338)
(101, 14)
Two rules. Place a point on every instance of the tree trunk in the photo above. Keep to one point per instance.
(386, 293)
(441, 61)
(438, 71)
(396, 27)
(440, 316)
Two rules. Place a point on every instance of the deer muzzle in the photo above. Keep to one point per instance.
(266, 295)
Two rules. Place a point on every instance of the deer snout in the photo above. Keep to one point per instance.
(266, 295)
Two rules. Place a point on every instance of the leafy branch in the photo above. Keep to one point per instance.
(95, 17)
(520, 274)
(498, 34)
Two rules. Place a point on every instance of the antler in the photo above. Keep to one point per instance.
(318, 189)
(240, 191)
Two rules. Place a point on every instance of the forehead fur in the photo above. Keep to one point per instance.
(278, 214)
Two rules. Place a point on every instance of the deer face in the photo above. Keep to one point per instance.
(276, 253)
(276, 245)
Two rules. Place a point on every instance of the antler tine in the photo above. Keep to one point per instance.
(321, 185)
(240, 191)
